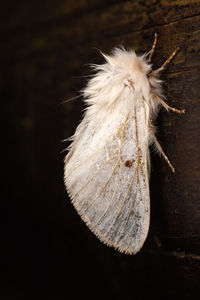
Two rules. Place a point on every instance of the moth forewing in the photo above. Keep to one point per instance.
(111, 198)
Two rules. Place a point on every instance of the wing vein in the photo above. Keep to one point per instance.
(97, 150)
(117, 180)
(94, 175)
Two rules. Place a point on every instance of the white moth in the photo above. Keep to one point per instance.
(108, 165)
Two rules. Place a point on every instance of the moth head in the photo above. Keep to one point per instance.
(129, 70)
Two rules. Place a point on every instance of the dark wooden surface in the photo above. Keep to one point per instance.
(46, 250)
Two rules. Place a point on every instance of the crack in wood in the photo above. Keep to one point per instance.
(176, 254)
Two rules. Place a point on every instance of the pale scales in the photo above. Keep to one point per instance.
(107, 167)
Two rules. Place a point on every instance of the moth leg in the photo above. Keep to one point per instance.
(153, 47)
(167, 107)
(165, 63)
(159, 148)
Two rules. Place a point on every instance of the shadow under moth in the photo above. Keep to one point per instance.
(107, 168)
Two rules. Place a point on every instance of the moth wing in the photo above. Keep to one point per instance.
(107, 180)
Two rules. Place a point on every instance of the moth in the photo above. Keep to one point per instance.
(107, 168)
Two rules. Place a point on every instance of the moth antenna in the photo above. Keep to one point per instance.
(153, 47)
(166, 62)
